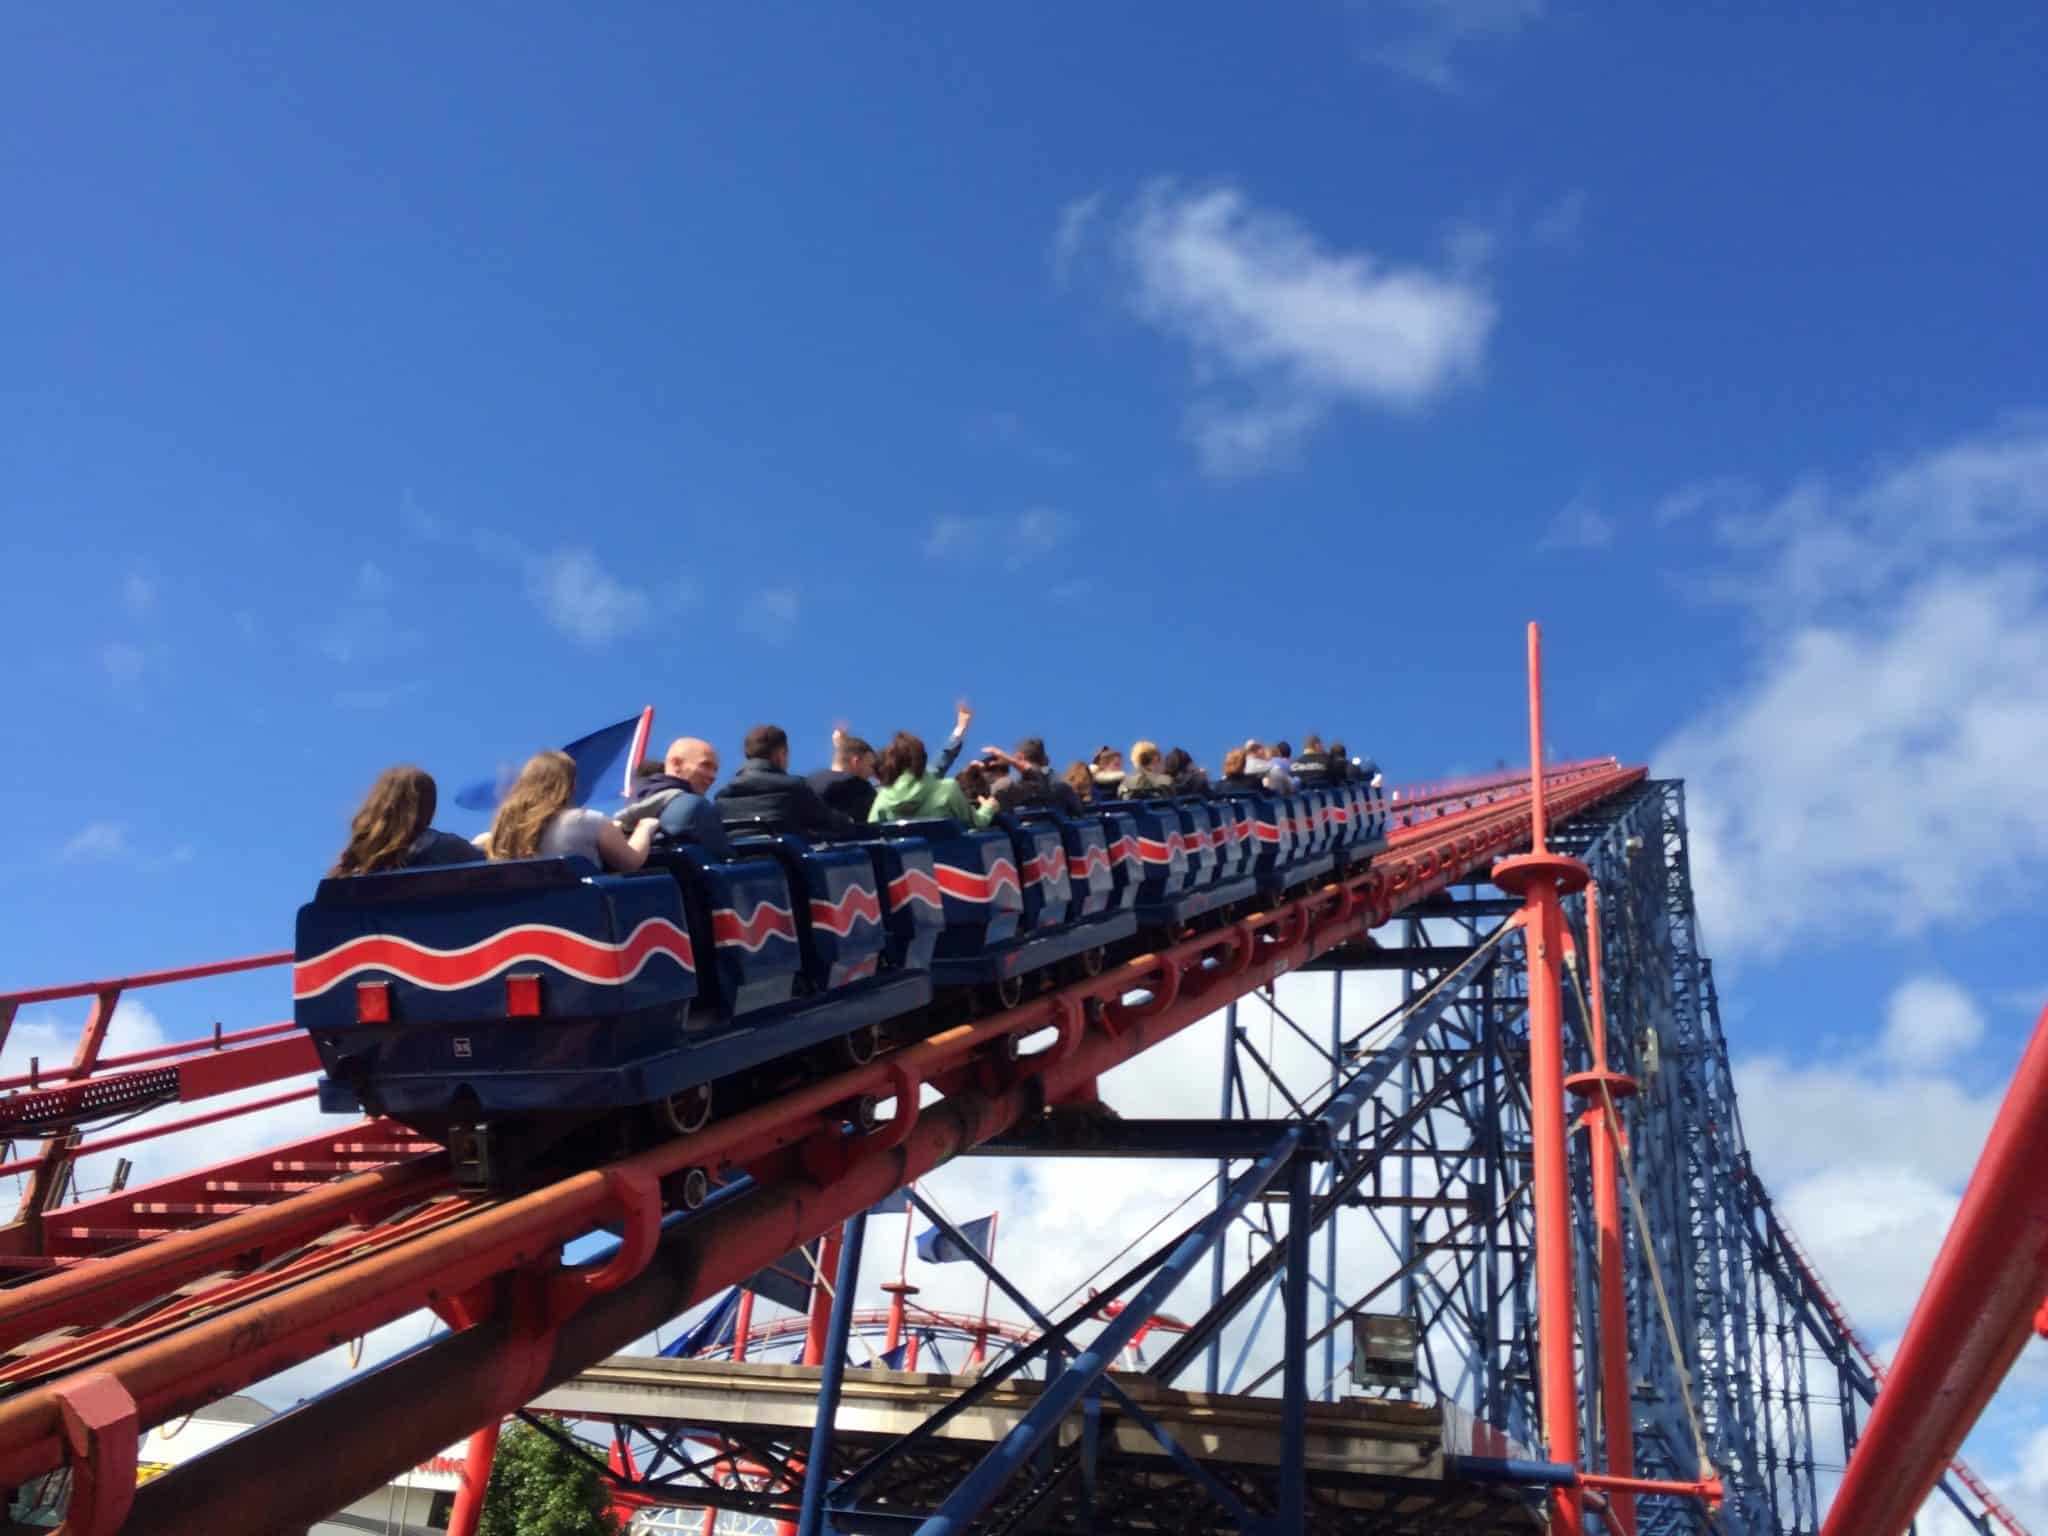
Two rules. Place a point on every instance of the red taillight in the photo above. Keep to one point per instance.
(522, 997)
(373, 1002)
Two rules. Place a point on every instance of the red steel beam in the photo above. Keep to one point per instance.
(1970, 1323)
(532, 1324)
(144, 979)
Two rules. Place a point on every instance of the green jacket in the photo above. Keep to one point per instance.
(1142, 784)
(914, 799)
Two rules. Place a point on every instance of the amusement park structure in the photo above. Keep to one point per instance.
(1517, 1204)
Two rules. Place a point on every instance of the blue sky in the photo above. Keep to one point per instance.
(436, 387)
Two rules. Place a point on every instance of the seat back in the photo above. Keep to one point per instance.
(1229, 838)
(1272, 829)
(742, 916)
(1197, 828)
(913, 909)
(1042, 862)
(1162, 849)
(981, 892)
(1091, 873)
(1127, 870)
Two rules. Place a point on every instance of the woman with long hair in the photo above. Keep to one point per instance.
(1080, 778)
(537, 820)
(911, 792)
(394, 828)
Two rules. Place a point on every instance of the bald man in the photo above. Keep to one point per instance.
(677, 796)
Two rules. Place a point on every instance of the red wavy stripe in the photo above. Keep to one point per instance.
(966, 885)
(1269, 832)
(446, 970)
(856, 902)
(1161, 853)
(766, 921)
(1084, 868)
(914, 885)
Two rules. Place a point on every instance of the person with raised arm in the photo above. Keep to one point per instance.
(913, 791)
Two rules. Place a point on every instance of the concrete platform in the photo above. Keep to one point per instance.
(1373, 1465)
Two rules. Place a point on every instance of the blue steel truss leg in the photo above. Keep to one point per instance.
(818, 1469)
(1091, 1427)
(1293, 1516)
(1222, 1187)
(1064, 1392)
(1330, 1231)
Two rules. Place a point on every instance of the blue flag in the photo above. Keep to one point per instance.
(891, 1360)
(605, 764)
(711, 1331)
(895, 1203)
(934, 1247)
(786, 1282)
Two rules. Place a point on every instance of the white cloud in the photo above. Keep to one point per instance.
(582, 599)
(367, 699)
(1875, 773)
(1874, 1232)
(97, 840)
(1016, 540)
(771, 613)
(1559, 223)
(1427, 39)
(1876, 763)
(1076, 222)
(138, 597)
(373, 582)
(1294, 328)
(1929, 1022)
(1580, 527)
(125, 663)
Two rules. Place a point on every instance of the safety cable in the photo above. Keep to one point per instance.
(1635, 1200)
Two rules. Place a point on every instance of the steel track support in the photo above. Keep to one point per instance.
(818, 1468)
(475, 1480)
(1293, 1516)
(1061, 1395)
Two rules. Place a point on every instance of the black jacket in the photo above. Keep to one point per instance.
(761, 790)
(847, 793)
(1026, 791)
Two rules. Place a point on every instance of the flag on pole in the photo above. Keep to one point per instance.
(889, 1360)
(711, 1331)
(934, 1247)
(605, 764)
(787, 1282)
(895, 1203)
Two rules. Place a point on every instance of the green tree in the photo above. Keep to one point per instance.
(540, 1488)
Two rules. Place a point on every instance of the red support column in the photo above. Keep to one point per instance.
(899, 1291)
(1608, 1144)
(1971, 1322)
(1540, 878)
(821, 1299)
(475, 1481)
(742, 1325)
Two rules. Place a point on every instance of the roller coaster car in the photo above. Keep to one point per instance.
(500, 1008)
(508, 1008)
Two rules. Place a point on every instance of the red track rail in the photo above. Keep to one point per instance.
(370, 1247)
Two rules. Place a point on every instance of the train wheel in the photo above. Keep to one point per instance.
(1009, 991)
(687, 1190)
(1092, 961)
(860, 1046)
(688, 1112)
